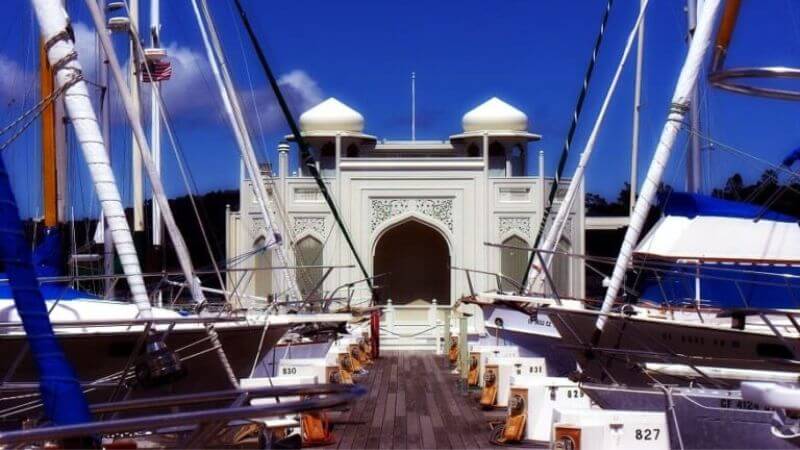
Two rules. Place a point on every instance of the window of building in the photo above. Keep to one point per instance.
(352, 151)
(517, 157)
(473, 151)
(262, 279)
(303, 162)
(513, 262)
(309, 253)
(561, 268)
(327, 160)
(497, 160)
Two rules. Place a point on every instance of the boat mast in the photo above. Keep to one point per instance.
(687, 79)
(547, 201)
(155, 116)
(305, 152)
(178, 243)
(694, 168)
(155, 138)
(62, 56)
(49, 161)
(562, 214)
(105, 126)
(136, 153)
(637, 109)
(230, 99)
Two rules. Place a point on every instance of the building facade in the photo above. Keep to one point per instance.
(415, 209)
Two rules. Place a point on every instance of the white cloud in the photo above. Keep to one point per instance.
(191, 93)
(303, 87)
(14, 80)
(301, 93)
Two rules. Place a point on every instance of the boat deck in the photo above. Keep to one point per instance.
(413, 402)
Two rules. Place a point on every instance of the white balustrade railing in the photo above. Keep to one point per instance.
(415, 325)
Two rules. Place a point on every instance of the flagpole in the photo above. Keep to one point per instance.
(413, 106)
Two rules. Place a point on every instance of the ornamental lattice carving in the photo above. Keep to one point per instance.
(521, 225)
(305, 223)
(256, 226)
(383, 209)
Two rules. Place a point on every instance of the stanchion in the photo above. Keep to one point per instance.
(375, 333)
(446, 331)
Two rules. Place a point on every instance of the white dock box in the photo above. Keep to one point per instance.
(598, 429)
(539, 396)
(483, 352)
(505, 367)
(317, 368)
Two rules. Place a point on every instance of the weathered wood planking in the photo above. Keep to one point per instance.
(413, 402)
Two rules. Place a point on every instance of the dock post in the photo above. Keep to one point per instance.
(432, 323)
(375, 334)
(390, 317)
(463, 351)
(446, 331)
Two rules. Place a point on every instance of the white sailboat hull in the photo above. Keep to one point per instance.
(706, 418)
(535, 337)
(627, 343)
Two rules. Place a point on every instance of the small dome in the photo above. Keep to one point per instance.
(332, 115)
(495, 114)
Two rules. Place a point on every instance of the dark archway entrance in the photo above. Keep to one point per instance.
(417, 260)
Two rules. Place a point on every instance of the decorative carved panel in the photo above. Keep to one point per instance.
(521, 225)
(383, 209)
(304, 223)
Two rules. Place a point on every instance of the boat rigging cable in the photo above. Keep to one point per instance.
(63, 58)
(562, 162)
(305, 153)
(230, 100)
(562, 214)
(159, 195)
(679, 105)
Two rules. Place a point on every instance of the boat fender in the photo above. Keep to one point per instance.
(316, 429)
(364, 351)
(452, 354)
(472, 377)
(489, 393)
(515, 421)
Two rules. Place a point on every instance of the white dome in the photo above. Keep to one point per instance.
(332, 115)
(495, 114)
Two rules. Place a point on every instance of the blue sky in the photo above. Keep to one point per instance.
(531, 54)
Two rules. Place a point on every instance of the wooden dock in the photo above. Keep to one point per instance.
(414, 402)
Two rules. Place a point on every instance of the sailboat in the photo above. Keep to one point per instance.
(118, 346)
(514, 316)
(734, 321)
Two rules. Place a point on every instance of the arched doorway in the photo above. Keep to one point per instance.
(309, 252)
(416, 259)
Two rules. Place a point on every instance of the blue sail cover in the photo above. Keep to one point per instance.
(62, 397)
(48, 262)
(48, 259)
(692, 205)
(730, 284)
(726, 286)
(50, 291)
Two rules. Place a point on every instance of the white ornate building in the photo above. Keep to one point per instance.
(413, 208)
